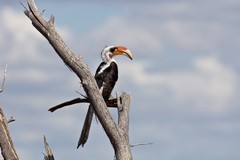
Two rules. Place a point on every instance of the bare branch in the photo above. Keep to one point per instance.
(6, 144)
(110, 103)
(22, 5)
(141, 144)
(123, 126)
(123, 112)
(11, 119)
(48, 150)
(4, 79)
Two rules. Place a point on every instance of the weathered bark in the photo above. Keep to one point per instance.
(124, 151)
(4, 79)
(49, 154)
(6, 144)
(116, 133)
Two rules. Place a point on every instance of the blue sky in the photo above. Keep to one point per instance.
(183, 79)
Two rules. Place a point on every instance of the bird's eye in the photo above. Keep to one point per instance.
(112, 49)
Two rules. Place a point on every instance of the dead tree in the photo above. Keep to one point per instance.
(6, 144)
(7, 149)
(116, 132)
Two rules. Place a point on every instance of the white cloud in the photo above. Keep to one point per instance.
(22, 46)
(169, 8)
(120, 31)
(19, 24)
(194, 36)
(22, 42)
(18, 33)
(161, 28)
(208, 83)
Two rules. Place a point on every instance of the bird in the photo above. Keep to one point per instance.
(106, 77)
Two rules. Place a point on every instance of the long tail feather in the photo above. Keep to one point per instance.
(86, 127)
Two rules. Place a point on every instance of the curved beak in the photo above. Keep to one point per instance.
(120, 50)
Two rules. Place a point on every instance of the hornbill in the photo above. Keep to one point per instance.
(106, 76)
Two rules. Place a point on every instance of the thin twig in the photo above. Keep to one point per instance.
(141, 144)
(4, 79)
(22, 5)
(11, 119)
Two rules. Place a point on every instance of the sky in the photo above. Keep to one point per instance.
(183, 79)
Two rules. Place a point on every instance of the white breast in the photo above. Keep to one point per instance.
(104, 67)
